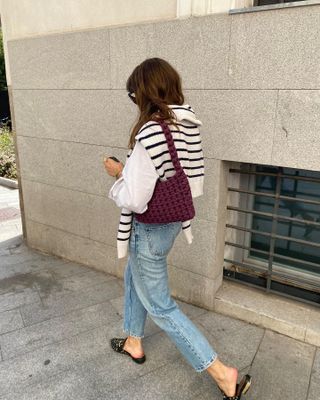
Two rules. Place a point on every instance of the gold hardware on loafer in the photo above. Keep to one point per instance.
(118, 343)
(241, 388)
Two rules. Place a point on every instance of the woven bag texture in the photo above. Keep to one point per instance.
(172, 199)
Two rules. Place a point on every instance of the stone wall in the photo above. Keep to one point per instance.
(253, 79)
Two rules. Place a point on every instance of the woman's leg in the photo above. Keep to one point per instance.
(150, 279)
(134, 315)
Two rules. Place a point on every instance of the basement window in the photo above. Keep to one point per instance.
(273, 230)
(267, 2)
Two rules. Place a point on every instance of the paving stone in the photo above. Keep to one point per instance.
(67, 386)
(32, 280)
(174, 381)
(56, 329)
(313, 327)
(9, 321)
(23, 263)
(229, 338)
(101, 377)
(88, 352)
(7, 232)
(56, 304)
(314, 389)
(9, 213)
(11, 300)
(81, 281)
(68, 269)
(281, 369)
(218, 324)
(14, 246)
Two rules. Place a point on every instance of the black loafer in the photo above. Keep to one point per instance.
(118, 343)
(241, 388)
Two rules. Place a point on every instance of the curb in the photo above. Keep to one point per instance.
(8, 182)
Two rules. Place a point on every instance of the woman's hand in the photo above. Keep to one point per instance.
(112, 167)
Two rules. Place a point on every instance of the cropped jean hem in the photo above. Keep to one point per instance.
(206, 365)
(132, 334)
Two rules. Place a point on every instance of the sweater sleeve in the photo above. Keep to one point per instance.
(135, 187)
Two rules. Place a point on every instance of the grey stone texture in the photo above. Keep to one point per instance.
(284, 362)
(287, 316)
(61, 61)
(10, 321)
(252, 78)
(285, 58)
(60, 349)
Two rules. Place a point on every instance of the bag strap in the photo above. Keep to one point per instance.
(172, 149)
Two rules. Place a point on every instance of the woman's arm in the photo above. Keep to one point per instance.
(135, 185)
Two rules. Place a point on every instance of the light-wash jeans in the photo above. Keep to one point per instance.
(147, 291)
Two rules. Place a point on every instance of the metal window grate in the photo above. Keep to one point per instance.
(267, 2)
(271, 267)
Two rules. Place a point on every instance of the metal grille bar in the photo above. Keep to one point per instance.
(270, 274)
(284, 176)
(274, 235)
(282, 276)
(308, 201)
(277, 255)
(283, 217)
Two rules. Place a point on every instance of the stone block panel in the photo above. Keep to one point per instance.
(79, 213)
(238, 125)
(275, 49)
(94, 254)
(75, 60)
(76, 166)
(101, 117)
(296, 141)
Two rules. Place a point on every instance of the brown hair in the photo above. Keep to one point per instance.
(155, 84)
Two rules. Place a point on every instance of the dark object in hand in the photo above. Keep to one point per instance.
(114, 158)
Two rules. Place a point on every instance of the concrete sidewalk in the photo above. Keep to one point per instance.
(56, 319)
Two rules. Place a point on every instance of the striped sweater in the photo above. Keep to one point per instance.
(188, 144)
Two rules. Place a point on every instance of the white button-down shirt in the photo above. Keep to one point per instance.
(135, 187)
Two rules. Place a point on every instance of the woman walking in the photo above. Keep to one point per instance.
(165, 144)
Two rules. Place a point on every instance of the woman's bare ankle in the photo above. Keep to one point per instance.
(134, 346)
(225, 376)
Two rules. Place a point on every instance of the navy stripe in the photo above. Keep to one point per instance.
(191, 134)
(149, 126)
(188, 151)
(187, 126)
(161, 132)
(123, 239)
(151, 146)
(182, 108)
(200, 166)
(164, 162)
(120, 230)
(126, 214)
(125, 223)
(180, 158)
(185, 227)
(172, 169)
(194, 176)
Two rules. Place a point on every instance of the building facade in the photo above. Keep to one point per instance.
(249, 69)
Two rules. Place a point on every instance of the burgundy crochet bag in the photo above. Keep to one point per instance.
(172, 199)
